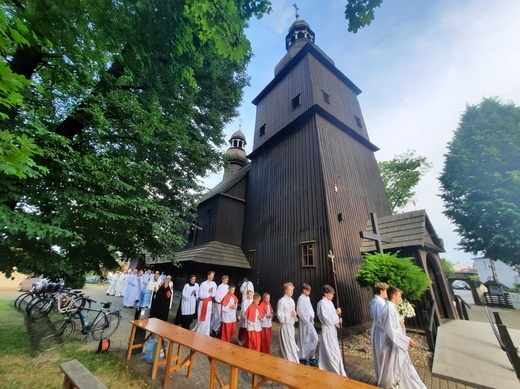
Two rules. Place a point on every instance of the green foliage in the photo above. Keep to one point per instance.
(480, 182)
(447, 267)
(400, 175)
(515, 288)
(395, 271)
(360, 13)
(122, 106)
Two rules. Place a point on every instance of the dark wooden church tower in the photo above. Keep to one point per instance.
(313, 179)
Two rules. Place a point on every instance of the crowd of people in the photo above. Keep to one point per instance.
(254, 313)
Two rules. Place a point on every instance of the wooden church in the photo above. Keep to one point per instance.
(307, 188)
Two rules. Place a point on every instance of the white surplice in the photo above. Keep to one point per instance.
(377, 333)
(288, 348)
(330, 352)
(222, 290)
(308, 337)
(396, 364)
(189, 300)
(203, 327)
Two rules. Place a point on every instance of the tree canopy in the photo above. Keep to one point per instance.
(360, 13)
(480, 182)
(399, 272)
(400, 175)
(110, 111)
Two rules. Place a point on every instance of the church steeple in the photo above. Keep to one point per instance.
(300, 32)
(236, 154)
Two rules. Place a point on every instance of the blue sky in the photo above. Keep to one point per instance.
(418, 64)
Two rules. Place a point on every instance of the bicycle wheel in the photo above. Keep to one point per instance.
(39, 309)
(56, 334)
(105, 325)
(21, 301)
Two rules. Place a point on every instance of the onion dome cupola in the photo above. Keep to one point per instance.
(236, 154)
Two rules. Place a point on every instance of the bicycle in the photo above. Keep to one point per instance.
(102, 327)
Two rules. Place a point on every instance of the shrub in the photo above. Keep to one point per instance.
(398, 272)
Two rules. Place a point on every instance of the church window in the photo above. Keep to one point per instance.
(262, 130)
(296, 102)
(358, 122)
(308, 254)
(325, 97)
(251, 258)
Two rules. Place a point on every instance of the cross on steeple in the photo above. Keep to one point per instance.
(374, 235)
(296, 9)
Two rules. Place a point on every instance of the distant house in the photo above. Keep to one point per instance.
(506, 274)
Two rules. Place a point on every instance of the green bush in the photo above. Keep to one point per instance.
(398, 272)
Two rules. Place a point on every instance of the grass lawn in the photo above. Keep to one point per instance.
(21, 368)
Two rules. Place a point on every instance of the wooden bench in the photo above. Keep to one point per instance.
(263, 367)
(78, 377)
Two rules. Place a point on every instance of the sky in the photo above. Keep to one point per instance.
(419, 64)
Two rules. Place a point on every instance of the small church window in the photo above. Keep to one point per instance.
(296, 102)
(307, 254)
(358, 122)
(262, 130)
(325, 97)
(251, 258)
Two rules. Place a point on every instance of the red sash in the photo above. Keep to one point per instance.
(226, 299)
(204, 308)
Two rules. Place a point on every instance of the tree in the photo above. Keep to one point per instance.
(395, 271)
(400, 175)
(447, 267)
(480, 181)
(360, 13)
(126, 104)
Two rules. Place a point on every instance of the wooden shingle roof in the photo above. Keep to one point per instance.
(215, 253)
(227, 184)
(409, 229)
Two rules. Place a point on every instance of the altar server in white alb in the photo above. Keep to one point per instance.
(377, 333)
(308, 337)
(222, 290)
(330, 352)
(246, 286)
(207, 291)
(287, 316)
(397, 370)
(186, 311)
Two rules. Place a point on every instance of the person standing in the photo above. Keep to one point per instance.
(161, 302)
(186, 312)
(287, 315)
(308, 337)
(330, 352)
(152, 285)
(246, 285)
(222, 290)
(377, 333)
(254, 324)
(121, 283)
(113, 284)
(131, 290)
(229, 305)
(396, 369)
(242, 330)
(168, 279)
(207, 291)
(267, 323)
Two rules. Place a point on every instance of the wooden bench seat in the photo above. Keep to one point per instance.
(263, 367)
(78, 377)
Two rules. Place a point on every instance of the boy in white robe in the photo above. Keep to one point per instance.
(330, 352)
(207, 291)
(287, 315)
(308, 337)
(397, 369)
(377, 333)
(222, 290)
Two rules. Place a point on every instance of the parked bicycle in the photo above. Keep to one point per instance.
(104, 324)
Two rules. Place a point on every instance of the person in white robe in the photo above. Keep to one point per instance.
(246, 285)
(222, 290)
(207, 291)
(131, 290)
(377, 333)
(397, 370)
(111, 291)
(330, 352)
(121, 284)
(153, 285)
(170, 283)
(308, 337)
(287, 316)
(188, 305)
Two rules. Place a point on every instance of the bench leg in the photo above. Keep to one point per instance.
(233, 377)
(156, 356)
(131, 343)
(169, 364)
